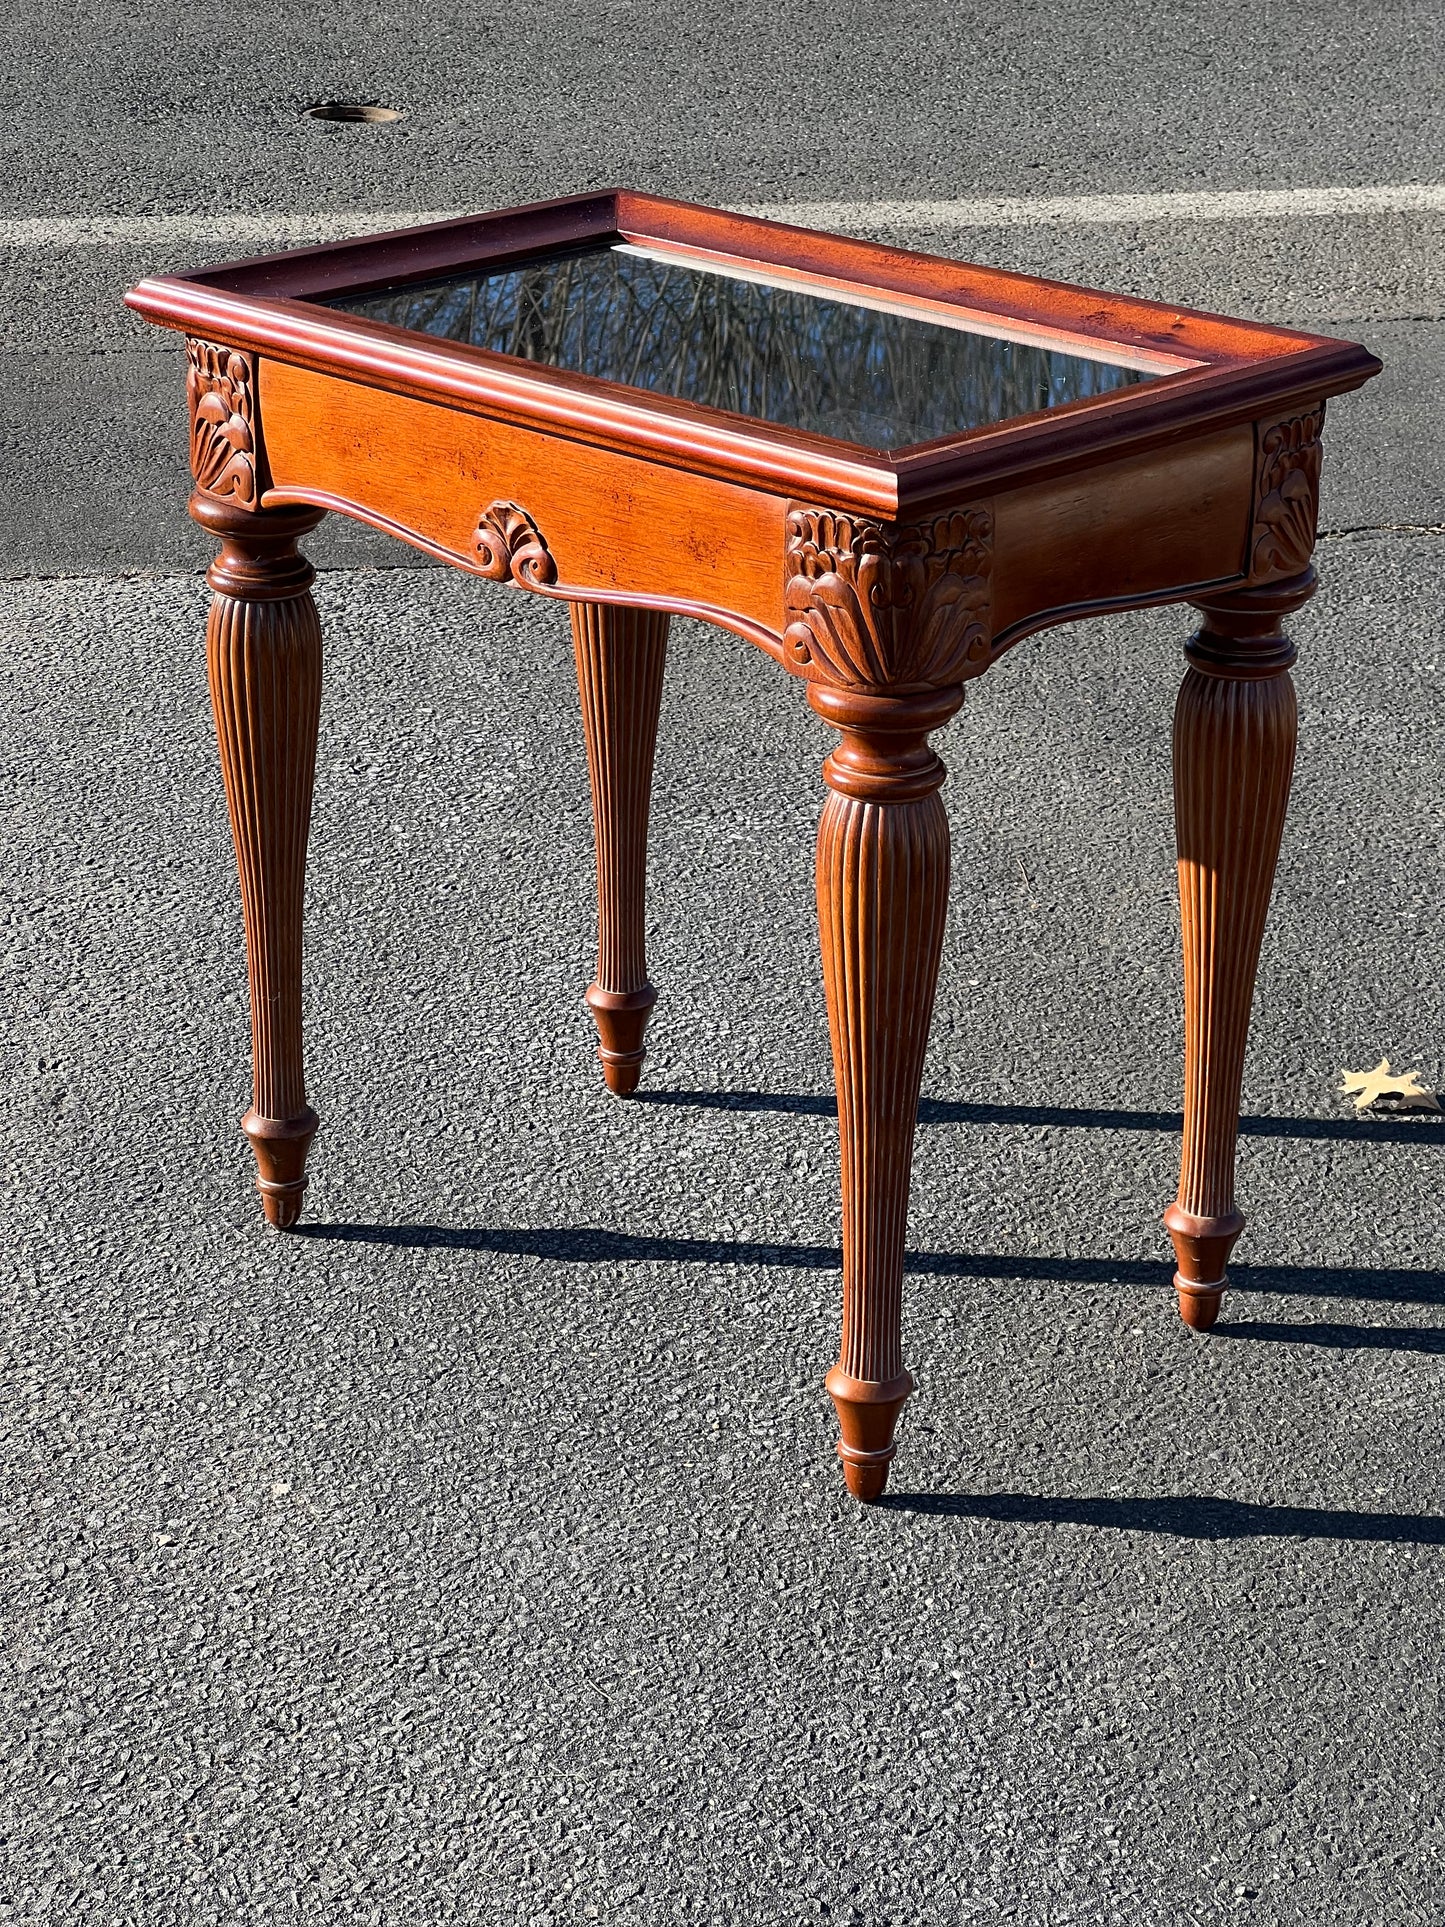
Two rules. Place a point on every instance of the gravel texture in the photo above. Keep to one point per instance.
(478, 1553)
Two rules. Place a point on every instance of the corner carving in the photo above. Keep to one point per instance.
(1286, 495)
(221, 391)
(871, 605)
(509, 544)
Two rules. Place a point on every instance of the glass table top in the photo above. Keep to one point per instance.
(864, 368)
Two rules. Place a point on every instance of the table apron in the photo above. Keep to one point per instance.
(616, 527)
(1149, 528)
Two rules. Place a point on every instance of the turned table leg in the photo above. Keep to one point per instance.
(1234, 744)
(882, 899)
(620, 658)
(263, 648)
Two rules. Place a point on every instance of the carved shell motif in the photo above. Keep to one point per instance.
(221, 390)
(508, 543)
(869, 606)
(1287, 495)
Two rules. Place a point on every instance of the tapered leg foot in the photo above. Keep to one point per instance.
(280, 1147)
(621, 655)
(1234, 743)
(1198, 1304)
(264, 661)
(1201, 1249)
(621, 1018)
(882, 898)
(867, 1418)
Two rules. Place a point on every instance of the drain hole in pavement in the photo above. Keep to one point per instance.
(351, 110)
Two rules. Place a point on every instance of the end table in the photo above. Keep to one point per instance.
(880, 467)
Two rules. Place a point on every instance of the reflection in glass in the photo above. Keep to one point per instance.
(779, 353)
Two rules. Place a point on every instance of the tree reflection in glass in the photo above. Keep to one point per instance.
(778, 353)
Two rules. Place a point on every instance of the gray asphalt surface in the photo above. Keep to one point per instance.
(478, 1555)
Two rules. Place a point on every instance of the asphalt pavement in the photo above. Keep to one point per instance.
(478, 1553)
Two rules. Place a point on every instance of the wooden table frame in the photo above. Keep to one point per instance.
(883, 583)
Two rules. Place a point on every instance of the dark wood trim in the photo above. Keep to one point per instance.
(1034, 447)
(1006, 296)
(416, 253)
(1066, 612)
(1059, 307)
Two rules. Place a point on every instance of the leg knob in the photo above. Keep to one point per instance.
(1198, 1304)
(867, 1417)
(1202, 1247)
(280, 1145)
(621, 1018)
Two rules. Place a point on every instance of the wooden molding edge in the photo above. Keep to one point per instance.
(659, 428)
(901, 485)
(1062, 613)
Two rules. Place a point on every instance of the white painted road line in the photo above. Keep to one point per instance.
(222, 234)
(218, 234)
(1120, 210)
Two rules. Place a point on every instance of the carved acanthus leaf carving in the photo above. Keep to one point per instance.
(1287, 493)
(872, 606)
(221, 389)
(508, 543)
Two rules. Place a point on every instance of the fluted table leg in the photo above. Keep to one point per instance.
(1234, 744)
(264, 659)
(621, 654)
(882, 899)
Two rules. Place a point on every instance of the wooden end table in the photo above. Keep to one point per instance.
(882, 468)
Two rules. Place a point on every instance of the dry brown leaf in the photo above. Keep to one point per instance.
(1379, 1089)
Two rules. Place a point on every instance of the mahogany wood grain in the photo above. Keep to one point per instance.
(1121, 534)
(263, 653)
(615, 525)
(882, 874)
(1143, 529)
(621, 655)
(1234, 745)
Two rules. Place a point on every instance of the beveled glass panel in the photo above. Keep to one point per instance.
(861, 370)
